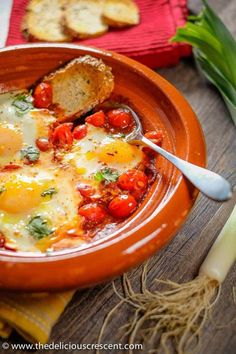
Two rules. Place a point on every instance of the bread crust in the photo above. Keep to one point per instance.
(81, 85)
(121, 13)
(42, 21)
(83, 18)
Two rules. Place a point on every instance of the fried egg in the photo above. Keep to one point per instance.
(26, 195)
(98, 150)
(46, 192)
(19, 131)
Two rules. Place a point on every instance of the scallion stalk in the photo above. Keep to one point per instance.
(177, 314)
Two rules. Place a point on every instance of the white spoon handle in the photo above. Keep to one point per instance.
(209, 183)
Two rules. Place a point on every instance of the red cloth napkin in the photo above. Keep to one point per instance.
(148, 42)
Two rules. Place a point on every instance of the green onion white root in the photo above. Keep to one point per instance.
(176, 315)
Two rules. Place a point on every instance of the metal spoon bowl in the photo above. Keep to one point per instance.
(209, 183)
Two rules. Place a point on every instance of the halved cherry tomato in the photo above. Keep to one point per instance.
(86, 190)
(80, 132)
(97, 119)
(133, 180)
(62, 135)
(122, 206)
(155, 136)
(93, 212)
(119, 118)
(2, 240)
(43, 144)
(43, 95)
(10, 247)
(11, 167)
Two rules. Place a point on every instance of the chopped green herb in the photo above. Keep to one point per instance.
(2, 189)
(49, 192)
(38, 227)
(30, 153)
(106, 174)
(23, 103)
(118, 135)
(121, 135)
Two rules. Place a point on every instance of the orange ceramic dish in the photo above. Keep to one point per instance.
(167, 203)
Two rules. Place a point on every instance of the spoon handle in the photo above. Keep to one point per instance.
(209, 183)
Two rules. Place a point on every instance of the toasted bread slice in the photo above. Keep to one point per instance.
(83, 18)
(121, 13)
(80, 86)
(42, 21)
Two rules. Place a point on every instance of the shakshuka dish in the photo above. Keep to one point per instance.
(67, 174)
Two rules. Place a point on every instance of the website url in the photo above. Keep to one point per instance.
(70, 346)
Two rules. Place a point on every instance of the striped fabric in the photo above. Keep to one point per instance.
(147, 42)
(32, 316)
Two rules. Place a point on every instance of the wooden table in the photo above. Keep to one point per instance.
(180, 261)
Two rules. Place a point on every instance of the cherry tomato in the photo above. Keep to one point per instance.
(119, 118)
(43, 144)
(2, 240)
(43, 95)
(97, 119)
(80, 132)
(86, 190)
(93, 213)
(11, 167)
(62, 135)
(122, 206)
(10, 247)
(133, 180)
(155, 136)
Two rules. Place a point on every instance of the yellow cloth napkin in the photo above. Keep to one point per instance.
(31, 315)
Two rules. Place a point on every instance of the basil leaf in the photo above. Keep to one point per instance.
(38, 228)
(106, 174)
(23, 103)
(30, 153)
(49, 192)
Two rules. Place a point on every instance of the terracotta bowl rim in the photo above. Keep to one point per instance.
(185, 112)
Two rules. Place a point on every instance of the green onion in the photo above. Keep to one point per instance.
(222, 254)
(214, 51)
(177, 313)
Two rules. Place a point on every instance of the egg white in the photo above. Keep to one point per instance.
(97, 150)
(26, 128)
(86, 153)
(59, 210)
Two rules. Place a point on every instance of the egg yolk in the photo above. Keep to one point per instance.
(10, 141)
(20, 196)
(118, 151)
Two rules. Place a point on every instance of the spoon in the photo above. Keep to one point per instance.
(209, 183)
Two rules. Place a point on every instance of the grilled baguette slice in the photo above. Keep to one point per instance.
(83, 18)
(43, 19)
(79, 86)
(121, 13)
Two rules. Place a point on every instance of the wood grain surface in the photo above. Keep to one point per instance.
(180, 261)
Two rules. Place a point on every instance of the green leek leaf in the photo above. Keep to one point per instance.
(225, 37)
(215, 52)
